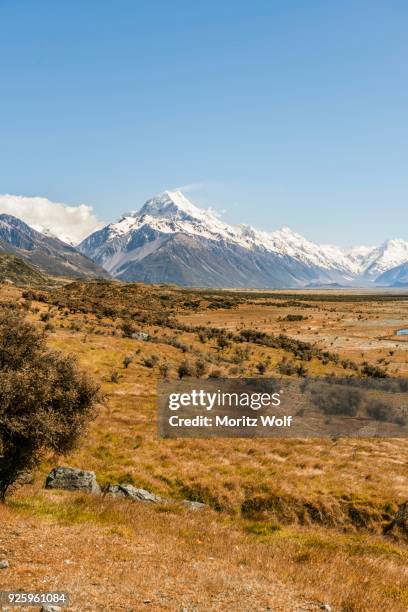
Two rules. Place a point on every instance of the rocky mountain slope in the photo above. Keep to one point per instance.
(50, 255)
(171, 240)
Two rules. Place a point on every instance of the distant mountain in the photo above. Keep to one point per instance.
(18, 272)
(396, 277)
(171, 240)
(49, 254)
(390, 254)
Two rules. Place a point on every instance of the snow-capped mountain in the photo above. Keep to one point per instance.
(171, 240)
(390, 254)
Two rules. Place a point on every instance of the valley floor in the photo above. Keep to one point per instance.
(290, 525)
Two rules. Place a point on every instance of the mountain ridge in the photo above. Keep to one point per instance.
(146, 236)
(169, 239)
(49, 255)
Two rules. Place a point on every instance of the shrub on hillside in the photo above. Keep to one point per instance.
(128, 329)
(45, 399)
(379, 410)
(200, 368)
(184, 369)
(150, 362)
(127, 360)
(294, 317)
(336, 399)
(373, 371)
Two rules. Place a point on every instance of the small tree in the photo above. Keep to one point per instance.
(164, 369)
(184, 369)
(127, 360)
(199, 368)
(222, 343)
(45, 399)
(261, 367)
(128, 329)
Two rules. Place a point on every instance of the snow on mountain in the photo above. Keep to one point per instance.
(172, 212)
(143, 234)
(359, 257)
(390, 254)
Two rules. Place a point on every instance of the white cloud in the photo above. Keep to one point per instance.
(191, 187)
(69, 223)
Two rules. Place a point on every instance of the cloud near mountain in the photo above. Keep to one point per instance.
(69, 223)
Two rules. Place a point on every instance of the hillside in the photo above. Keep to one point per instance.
(16, 271)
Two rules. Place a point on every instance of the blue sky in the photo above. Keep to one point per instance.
(278, 113)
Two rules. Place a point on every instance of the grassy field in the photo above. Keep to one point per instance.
(290, 524)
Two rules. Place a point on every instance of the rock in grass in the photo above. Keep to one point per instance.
(193, 505)
(24, 478)
(72, 479)
(4, 564)
(140, 335)
(50, 609)
(128, 491)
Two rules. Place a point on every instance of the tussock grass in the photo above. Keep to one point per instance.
(220, 555)
(289, 520)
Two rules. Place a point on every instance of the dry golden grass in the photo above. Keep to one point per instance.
(306, 514)
(119, 555)
(362, 331)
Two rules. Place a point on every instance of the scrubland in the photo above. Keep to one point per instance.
(290, 524)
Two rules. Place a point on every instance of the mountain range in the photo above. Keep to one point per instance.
(170, 240)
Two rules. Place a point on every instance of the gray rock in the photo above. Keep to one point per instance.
(24, 478)
(128, 491)
(50, 609)
(326, 607)
(72, 479)
(4, 564)
(140, 336)
(193, 505)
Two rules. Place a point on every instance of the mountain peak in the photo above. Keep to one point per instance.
(169, 204)
(141, 236)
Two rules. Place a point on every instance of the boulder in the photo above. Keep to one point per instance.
(24, 478)
(4, 564)
(128, 491)
(72, 479)
(193, 505)
(140, 335)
